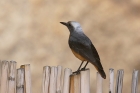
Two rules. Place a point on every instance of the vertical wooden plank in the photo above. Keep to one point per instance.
(119, 81)
(85, 81)
(134, 85)
(66, 80)
(53, 79)
(20, 81)
(99, 83)
(4, 77)
(75, 84)
(12, 77)
(59, 79)
(46, 79)
(27, 78)
(0, 75)
(111, 80)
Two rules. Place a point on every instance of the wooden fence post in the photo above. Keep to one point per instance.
(75, 85)
(27, 79)
(4, 77)
(134, 85)
(85, 81)
(59, 79)
(99, 83)
(12, 77)
(0, 75)
(66, 80)
(20, 81)
(53, 78)
(111, 80)
(46, 79)
(119, 81)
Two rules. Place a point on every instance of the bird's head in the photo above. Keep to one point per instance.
(72, 26)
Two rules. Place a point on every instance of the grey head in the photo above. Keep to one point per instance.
(73, 26)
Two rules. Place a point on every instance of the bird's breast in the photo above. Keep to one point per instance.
(78, 56)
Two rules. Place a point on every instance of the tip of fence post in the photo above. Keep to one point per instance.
(111, 69)
(22, 66)
(111, 80)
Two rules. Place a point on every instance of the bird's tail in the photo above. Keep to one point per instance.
(102, 73)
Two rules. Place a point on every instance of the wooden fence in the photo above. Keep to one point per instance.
(14, 80)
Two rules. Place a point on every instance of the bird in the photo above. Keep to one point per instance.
(83, 48)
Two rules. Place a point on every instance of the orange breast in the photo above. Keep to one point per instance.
(79, 56)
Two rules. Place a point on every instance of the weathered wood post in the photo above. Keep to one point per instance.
(111, 80)
(75, 83)
(4, 77)
(46, 79)
(99, 83)
(119, 81)
(27, 78)
(66, 80)
(134, 85)
(85, 81)
(0, 75)
(53, 80)
(59, 79)
(12, 77)
(20, 81)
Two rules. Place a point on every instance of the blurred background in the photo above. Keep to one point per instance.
(30, 33)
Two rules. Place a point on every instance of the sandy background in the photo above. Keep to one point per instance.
(30, 33)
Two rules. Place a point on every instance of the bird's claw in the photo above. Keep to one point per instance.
(83, 69)
(76, 72)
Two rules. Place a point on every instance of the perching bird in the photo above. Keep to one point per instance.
(82, 47)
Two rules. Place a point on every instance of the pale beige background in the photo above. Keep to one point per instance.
(30, 33)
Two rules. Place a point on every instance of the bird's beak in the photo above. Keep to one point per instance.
(64, 23)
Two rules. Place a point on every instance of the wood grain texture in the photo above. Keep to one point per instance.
(27, 78)
(75, 83)
(4, 77)
(20, 80)
(99, 85)
(12, 77)
(111, 80)
(134, 85)
(53, 80)
(66, 80)
(0, 75)
(119, 81)
(85, 81)
(46, 79)
(59, 79)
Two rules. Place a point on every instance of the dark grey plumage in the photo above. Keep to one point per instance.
(82, 46)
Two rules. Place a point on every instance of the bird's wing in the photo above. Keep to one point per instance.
(96, 55)
(86, 50)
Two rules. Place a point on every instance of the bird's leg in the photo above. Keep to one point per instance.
(79, 68)
(80, 65)
(85, 66)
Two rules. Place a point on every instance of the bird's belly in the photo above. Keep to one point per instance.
(78, 56)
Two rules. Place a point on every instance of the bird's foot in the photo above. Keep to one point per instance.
(83, 69)
(76, 72)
